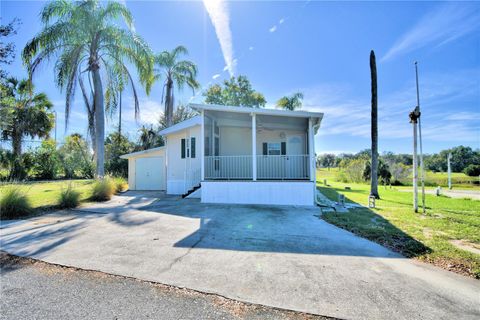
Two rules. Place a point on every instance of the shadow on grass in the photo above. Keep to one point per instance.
(368, 224)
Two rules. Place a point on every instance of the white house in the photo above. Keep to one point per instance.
(233, 155)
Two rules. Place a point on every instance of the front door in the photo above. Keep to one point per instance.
(295, 158)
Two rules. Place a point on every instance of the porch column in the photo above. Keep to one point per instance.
(202, 145)
(254, 147)
(311, 150)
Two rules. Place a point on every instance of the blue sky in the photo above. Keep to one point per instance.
(319, 48)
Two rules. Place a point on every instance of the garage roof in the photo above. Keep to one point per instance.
(138, 153)
(195, 121)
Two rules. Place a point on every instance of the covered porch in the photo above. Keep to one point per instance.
(246, 144)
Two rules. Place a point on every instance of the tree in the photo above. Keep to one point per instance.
(292, 102)
(472, 170)
(75, 157)
(84, 37)
(180, 114)
(116, 145)
(327, 160)
(7, 50)
(23, 113)
(46, 160)
(374, 133)
(148, 139)
(176, 72)
(235, 92)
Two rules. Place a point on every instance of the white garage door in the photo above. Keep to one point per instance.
(150, 173)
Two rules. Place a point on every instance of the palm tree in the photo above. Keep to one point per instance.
(374, 167)
(176, 72)
(24, 113)
(84, 38)
(181, 113)
(149, 138)
(291, 102)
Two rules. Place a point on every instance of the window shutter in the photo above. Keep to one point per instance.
(183, 149)
(284, 148)
(265, 149)
(192, 147)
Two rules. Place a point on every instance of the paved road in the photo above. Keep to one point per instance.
(284, 257)
(37, 290)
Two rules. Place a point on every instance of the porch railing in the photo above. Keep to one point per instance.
(269, 167)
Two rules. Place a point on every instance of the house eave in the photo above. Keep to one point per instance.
(139, 153)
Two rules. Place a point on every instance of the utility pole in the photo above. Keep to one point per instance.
(120, 116)
(449, 157)
(422, 171)
(55, 112)
(414, 115)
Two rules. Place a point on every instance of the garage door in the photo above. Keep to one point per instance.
(150, 173)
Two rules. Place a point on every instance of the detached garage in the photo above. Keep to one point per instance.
(146, 169)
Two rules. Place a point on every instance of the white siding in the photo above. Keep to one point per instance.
(132, 167)
(249, 192)
(178, 169)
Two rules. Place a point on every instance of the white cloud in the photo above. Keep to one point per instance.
(281, 21)
(443, 25)
(273, 29)
(447, 114)
(250, 48)
(216, 76)
(220, 17)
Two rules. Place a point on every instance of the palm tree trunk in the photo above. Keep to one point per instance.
(169, 103)
(374, 166)
(99, 123)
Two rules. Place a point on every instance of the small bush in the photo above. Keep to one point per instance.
(472, 170)
(103, 189)
(69, 197)
(121, 184)
(14, 203)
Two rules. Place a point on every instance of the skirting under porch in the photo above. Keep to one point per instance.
(300, 193)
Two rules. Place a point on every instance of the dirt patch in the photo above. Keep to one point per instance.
(467, 246)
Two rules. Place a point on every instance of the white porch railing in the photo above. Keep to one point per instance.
(286, 167)
(228, 167)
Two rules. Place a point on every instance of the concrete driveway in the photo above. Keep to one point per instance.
(278, 256)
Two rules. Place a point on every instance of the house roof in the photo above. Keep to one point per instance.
(272, 112)
(194, 121)
(138, 153)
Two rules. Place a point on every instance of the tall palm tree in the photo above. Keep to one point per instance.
(149, 138)
(291, 102)
(176, 72)
(84, 38)
(374, 133)
(24, 113)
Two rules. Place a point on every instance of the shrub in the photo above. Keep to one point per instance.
(69, 197)
(14, 203)
(47, 163)
(472, 170)
(120, 184)
(103, 189)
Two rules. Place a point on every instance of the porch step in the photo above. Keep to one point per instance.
(189, 192)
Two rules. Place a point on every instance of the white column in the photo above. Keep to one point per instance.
(254, 147)
(202, 145)
(311, 150)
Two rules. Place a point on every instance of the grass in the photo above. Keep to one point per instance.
(121, 184)
(69, 197)
(103, 190)
(45, 195)
(14, 203)
(394, 224)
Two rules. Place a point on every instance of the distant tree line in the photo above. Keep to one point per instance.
(393, 168)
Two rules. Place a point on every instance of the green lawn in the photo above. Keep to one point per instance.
(394, 224)
(44, 195)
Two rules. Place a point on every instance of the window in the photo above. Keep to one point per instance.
(192, 147)
(274, 148)
(183, 149)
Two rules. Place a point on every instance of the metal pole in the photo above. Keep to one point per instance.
(449, 171)
(415, 168)
(55, 112)
(120, 116)
(422, 171)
